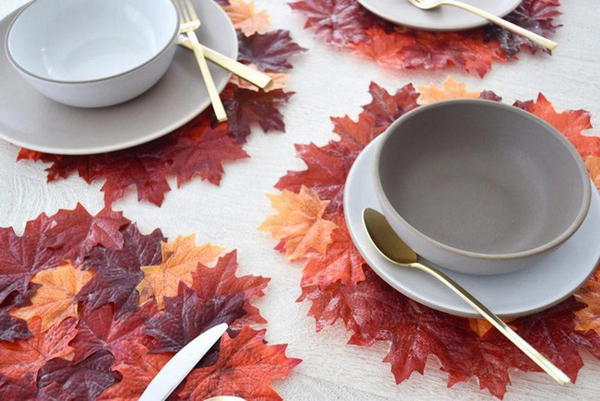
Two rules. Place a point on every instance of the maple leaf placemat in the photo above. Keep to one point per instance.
(92, 309)
(345, 24)
(199, 148)
(309, 224)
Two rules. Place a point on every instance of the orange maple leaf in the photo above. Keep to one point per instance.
(588, 318)
(28, 356)
(299, 222)
(246, 368)
(54, 300)
(245, 17)
(179, 259)
(279, 80)
(451, 89)
(593, 165)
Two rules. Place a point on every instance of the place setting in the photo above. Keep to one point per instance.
(469, 35)
(462, 232)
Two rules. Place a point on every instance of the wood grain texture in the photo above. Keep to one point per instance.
(228, 215)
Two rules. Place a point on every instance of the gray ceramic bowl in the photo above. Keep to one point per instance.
(93, 53)
(480, 187)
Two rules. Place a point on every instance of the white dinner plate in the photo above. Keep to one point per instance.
(30, 120)
(523, 292)
(442, 18)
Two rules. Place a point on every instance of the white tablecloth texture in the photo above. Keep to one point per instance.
(327, 83)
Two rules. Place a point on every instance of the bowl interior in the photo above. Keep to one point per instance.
(483, 177)
(74, 40)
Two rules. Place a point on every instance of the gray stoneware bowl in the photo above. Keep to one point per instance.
(93, 53)
(480, 187)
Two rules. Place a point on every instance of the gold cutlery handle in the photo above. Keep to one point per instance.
(208, 80)
(540, 40)
(557, 374)
(251, 75)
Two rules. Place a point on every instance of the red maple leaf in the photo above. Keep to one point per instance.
(246, 368)
(341, 263)
(138, 370)
(118, 270)
(338, 22)
(535, 16)
(270, 51)
(211, 282)
(246, 108)
(83, 380)
(23, 389)
(101, 329)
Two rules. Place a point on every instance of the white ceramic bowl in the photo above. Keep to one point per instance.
(93, 53)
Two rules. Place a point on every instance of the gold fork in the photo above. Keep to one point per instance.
(534, 37)
(189, 23)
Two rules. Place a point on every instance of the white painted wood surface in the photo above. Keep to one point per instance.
(327, 83)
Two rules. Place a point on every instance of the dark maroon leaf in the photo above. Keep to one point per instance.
(270, 51)
(489, 95)
(12, 328)
(118, 270)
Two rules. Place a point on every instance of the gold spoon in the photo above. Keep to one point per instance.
(391, 247)
(534, 37)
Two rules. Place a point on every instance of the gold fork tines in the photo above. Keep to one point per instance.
(189, 23)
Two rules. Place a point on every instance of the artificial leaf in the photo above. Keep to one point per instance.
(593, 165)
(118, 271)
(179, 259)
(338, 22)
(137, 370)
(83, 380)
(246, 368)
(55, 299)
(534, 15)
(245, 17)
(185, 316)
(203, 151)
(270, 51)
(451, 89)
(279, 80)
(27, 356)
(588, 318)
(341, 263)
(12, 328)
(299, 222)
(327, 168)
(247, 108)
(23, 389)
(101, 329)
(218, 281)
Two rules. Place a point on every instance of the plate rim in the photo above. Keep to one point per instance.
(133, 142)
(462, 309)
(456, 27)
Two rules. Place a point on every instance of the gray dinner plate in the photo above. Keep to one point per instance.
(33, 121)
(443, 18)
(526, 291)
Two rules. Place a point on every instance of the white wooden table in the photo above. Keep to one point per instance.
(327, 83)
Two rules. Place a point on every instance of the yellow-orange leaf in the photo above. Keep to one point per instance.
(593, 166)
(479, 326)
(179, 259)
(299, 222)
(245, 17)
(451, 89)
(279, 80)
(54, 300)
(588, 318)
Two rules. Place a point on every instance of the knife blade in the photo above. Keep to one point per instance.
(180, 365)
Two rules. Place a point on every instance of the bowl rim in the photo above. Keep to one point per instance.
(25, 71)
(559, 239)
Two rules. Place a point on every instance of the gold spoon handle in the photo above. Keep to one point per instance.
(540, 40)
(502, 327)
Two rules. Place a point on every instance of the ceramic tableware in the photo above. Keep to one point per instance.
(93, 53)
(443, 19)
(480, 187)
(33, 121)
(547, 281)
